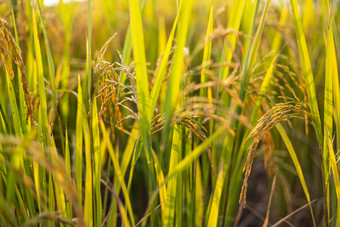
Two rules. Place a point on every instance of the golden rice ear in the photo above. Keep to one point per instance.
(9, 51)
(269, 154)
(281, 112)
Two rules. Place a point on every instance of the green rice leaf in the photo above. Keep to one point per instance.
(160, 180)
(141, 73)
(177, 67)
(207, 49)
(97, 164)
(68, 172)
(41, 83)
(336, 177)
(162, 67)
(118, 172)
(170, 200)
(214, 210)
(336, 89)
(307, 70)
(79, 142)
(88, 202)
(230, 42)
(51, 69)
(297, 165)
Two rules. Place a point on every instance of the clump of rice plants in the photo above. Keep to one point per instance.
(169, 113)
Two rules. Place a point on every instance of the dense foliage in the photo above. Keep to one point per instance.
(163, 113)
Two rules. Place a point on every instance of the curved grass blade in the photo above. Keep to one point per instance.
(328, 106)
(41, 83)
(161, 70)
(88, 201)
(177, 67)
(336, 177)
(207, 50)
(336, 89)
(97, 165)
(67, 21)
(88, 50)
(68, 172)
(199, 211)
(186, 162)
(51, 69)
(160, 180)
(230, 42)
(228, 151)
(79, 143)
(7, 212)
(249, 62)
(58, 191)
(127, 155)
(122, 211)
(14, 106)
(22, 103)
(297, 165)
(141, 73)
(215, 201)
(307, 70)
(128, 47)
(170, 200)
(118, 172)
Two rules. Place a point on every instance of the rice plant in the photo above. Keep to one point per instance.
(169, 113)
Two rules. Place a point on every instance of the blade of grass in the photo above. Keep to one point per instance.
(88, 201)
(230, 42)
(335, 176)
(169, 209)
(177, 67)
(328, 106)
(128, 46)
(51, 68)
(6, 212)
(41, 83)
(58, 191)
(162, 67)
(22, 103)
(122, 211)
(88, 53)
(307, 70)
(67, 20)
(12, 177)
(199, 212)
(68, 172)
(141, 73)
(97, 165)
(79, 143)
(336, 89)
(118, 172)
(249, 63)
(297, 166)
(186, 162)
(160, 180)
(127, 156)
(207, 50)
(161, 35)
(215, 201)
(14, 106)
(229, 143)
(308, 19)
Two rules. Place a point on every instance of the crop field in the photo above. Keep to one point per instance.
(169, 113)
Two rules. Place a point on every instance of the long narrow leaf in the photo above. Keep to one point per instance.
(141, 73)
(307, 70)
